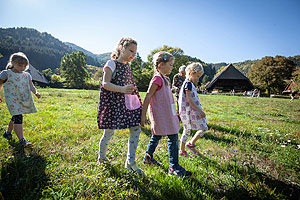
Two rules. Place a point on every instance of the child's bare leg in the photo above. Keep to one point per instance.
(183, 139)
(10, 126)
(199, 134)
(182, 146)
(18, 128)
(195, 138)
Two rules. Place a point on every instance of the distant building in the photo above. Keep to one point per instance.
(37, 76)
(230, 79)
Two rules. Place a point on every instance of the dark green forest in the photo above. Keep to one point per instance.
(42, 49)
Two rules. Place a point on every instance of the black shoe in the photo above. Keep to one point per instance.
(179, 171)
(7, 135)
(23, 142)
(150, 160)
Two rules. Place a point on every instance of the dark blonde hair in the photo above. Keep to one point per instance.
(193, 68)
(17, 57)
(122, 44)
(160, 57)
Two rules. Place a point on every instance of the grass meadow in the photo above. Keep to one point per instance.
(251, 151)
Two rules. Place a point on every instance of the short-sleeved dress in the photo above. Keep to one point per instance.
(17, 93)
(162, 111)
(113, 111)
(188, 115)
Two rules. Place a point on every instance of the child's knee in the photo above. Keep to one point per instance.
(185, 136)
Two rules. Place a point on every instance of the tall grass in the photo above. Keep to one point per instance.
(251, 151)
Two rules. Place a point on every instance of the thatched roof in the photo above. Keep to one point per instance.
(230, 78)
(36, 75)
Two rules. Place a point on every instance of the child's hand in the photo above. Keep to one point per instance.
(128, 89)
(38, 95)
(143, 121)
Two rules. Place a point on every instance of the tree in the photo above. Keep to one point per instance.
(73, 69)
(140, 73)
(47, 73)
(296, 78)
(269, 73)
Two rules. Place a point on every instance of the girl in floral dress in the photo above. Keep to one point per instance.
(120, 103)
(17, 86)
(190, 110)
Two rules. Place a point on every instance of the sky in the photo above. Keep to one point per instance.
(212, 30)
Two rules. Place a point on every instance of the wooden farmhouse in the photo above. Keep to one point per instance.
(228, 79)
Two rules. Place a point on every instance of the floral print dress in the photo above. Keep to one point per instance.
(189, 116)
(118, 110)
(17, 94)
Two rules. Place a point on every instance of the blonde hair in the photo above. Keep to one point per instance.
(121, 45)
(193, 68)
(160, 57)
(17, 57)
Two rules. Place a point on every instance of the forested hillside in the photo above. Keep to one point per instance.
(43, 50)
(100, 58)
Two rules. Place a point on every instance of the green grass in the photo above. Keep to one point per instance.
(251, 151)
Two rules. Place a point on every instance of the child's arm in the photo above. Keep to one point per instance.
(189, 99)
(1, 85)
(150, 92)
(33, 89)
(127, 89)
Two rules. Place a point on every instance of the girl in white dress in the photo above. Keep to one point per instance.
(17, 86)
(190, 110)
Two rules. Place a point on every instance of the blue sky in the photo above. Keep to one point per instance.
(211, 30)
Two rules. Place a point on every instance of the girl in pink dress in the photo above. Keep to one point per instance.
(190, 110)
(162, 114)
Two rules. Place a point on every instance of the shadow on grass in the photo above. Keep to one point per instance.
(214, 138)
(262, 185)
(149, 188)
(234, 131)
(291, 191)
(23, 174)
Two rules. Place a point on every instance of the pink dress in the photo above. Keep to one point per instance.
(162, 111)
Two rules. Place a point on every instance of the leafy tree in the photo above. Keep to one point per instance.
(73, 69)
(269, 73)
(205, 79)
(47, 73)
(296, 78)
(219, 70)
(140, 73)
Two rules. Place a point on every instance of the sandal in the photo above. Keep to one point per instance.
(184, 154)
(192, 148)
